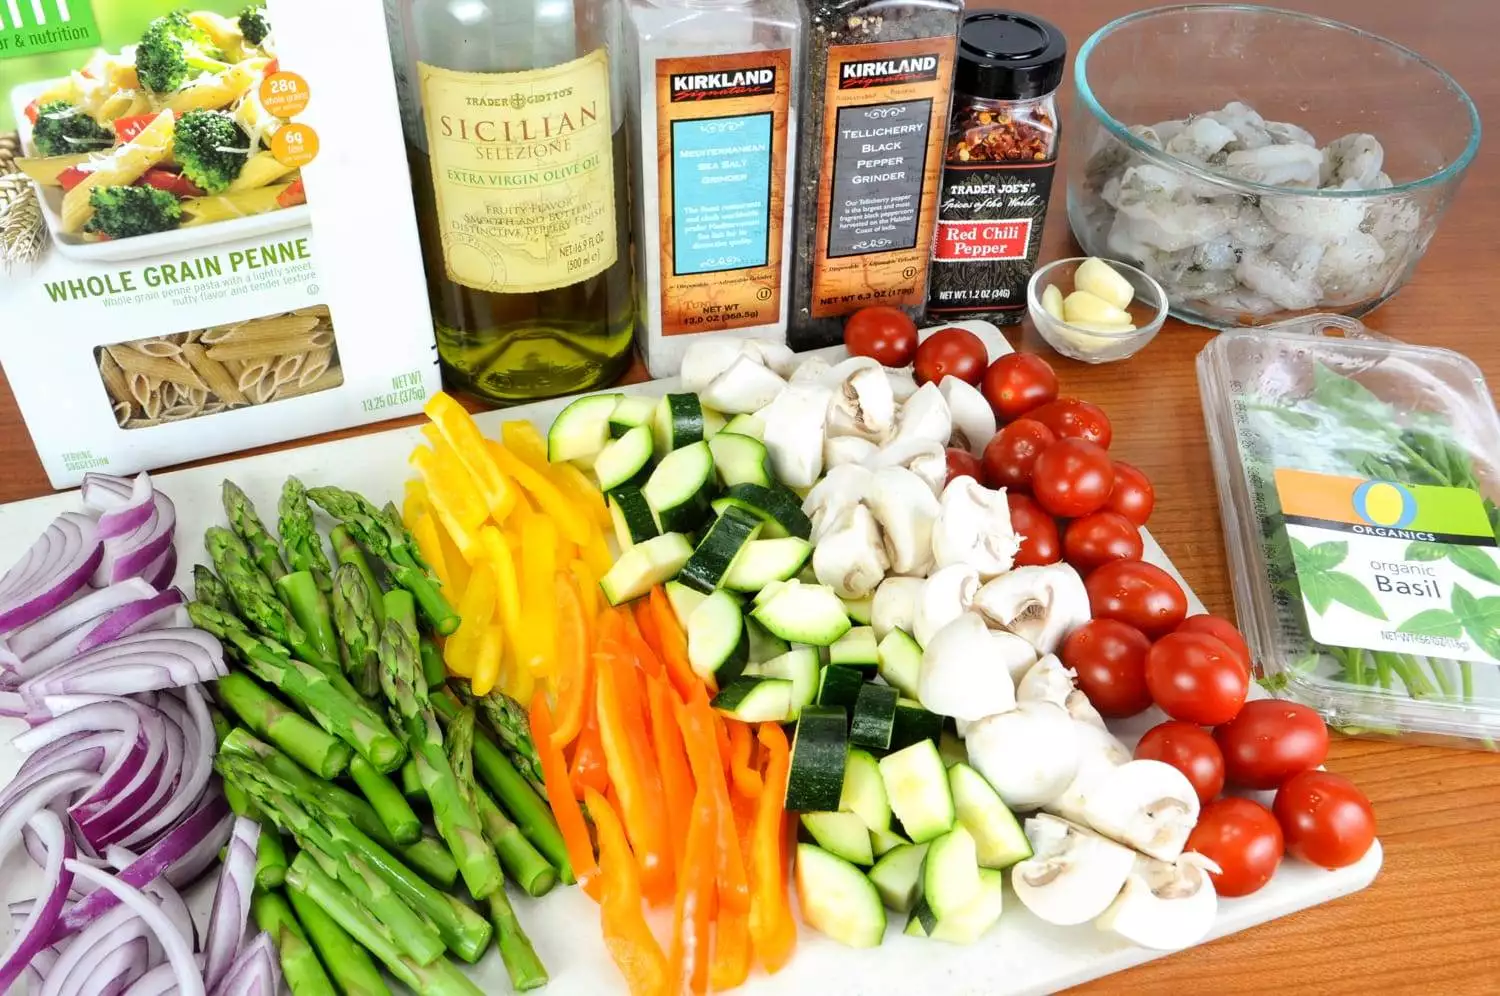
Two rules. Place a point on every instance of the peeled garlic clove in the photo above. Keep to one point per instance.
(1081, 306)
(1110, 327)
(1052, 302)
(1098, 278)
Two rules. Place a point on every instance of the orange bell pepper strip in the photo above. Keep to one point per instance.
(588, 769)
(772, 928)
(721, 734)
(575, 671)
(588, 590)
(572, 521)
(560, 797)
(696, 719)
(650, 664)
(674, 645)
(576, 485)
(456, 501)
(462, 434)
(693, 913)
(645, 621)
(747, 780)
(732, 954)
(671, 757)
(632, 769)
(626, 934)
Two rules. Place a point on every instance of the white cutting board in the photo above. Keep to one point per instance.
(1022, 955)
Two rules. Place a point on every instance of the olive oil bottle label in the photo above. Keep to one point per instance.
(521, 163)
(721, 129)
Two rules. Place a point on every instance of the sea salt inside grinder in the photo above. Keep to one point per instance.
(997, 168)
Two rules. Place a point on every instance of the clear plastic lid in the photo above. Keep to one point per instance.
(1357, 480)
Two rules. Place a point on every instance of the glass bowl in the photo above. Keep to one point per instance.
(1148, 310)
(1190, 159)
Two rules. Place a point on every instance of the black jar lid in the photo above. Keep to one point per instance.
(1005, 55)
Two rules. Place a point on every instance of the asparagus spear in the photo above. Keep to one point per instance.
(401, 606)
(299, 962)
(434, 671)
(270, 852)
(256, 597)
(299, 536)
(411, 781)
(521, 861)
(208, 588)
(349, 964)
(265, 714)
(248, 527)
(390, 805)
(525, 969)
(441, 978)
(508, 720)
(355, 619)
(456, 822)
(300, 593)
(347, 551)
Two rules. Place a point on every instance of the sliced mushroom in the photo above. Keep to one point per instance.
(1028, 754)
(925, 416)
(849, 557)
(946, 595)
(1040, 604)
(903, 384)
(778, 356)
(842, 486)
(922, 457)
(1099, 755)
(705, 359)
(906, 511)
(1048, 680)
(1164, 905)
(973, 418)
(895, 605)
(974, 528)
(863, 404)
(1149, 805)
(743, 387)
(813, 370)
(794, 433)
(1073, 874)
(960, 675)
(838, 450)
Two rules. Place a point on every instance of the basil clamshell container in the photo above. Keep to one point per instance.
(1358, 478)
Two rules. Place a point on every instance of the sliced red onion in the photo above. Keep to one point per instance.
(102, 814)
(231, 909)
(254, 973)
(41, 794)
(118, 821)
(59, 651)
(129, 555)
(159, 981)
(35, 936)
(105, 492)
(12, 705)
(166, 658)
(130, 516)
(159, 611)
(205, 855)
(84, 954)
(116, 970)
(57, 565)
(199, 746)
(160, 572)
(179, 952)
(85, 608)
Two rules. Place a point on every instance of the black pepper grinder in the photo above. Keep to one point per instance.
(997, 167)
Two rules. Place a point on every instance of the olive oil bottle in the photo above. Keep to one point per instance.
(515, 128)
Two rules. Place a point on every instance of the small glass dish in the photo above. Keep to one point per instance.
(1148, 309)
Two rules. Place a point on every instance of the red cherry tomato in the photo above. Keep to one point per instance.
(961, 462)
(1011, 453)
(1141, 594)
(1221, 629)
(1196, 679)
(1072, 477)
(1038, 532)
(1191, 750)
(886, 335)
(951, 353)
(1100, 537)
(1243, 839)
(1018, 382)
(1110, 660)
(1132, 496)
(1327, 820)
(1074, 419)
(1270, 741)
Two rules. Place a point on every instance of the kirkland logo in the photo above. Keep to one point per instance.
(31, 27)
(717, 86)
(887, 72)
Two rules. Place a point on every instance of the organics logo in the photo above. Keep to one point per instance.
(1385, 503)
(31, 27)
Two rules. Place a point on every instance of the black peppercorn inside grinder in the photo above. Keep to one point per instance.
(997, 166)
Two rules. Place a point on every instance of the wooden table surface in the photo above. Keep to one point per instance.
(1431, 921)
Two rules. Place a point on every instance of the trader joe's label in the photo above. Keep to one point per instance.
(887, 107)
(522, 166)
(722, 148)
(1385, 566)
(989, 230)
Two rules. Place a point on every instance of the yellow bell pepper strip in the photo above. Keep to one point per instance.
(671, 758)
(626, 934)
(572, 521)
(588, 589)
(461, 433)
(673, 648)
(424, 529)
(523, 439)
(632, 768)
(575, 672)
(588, 770)
(747, 780)
(596, 554)
(507, 582)
(414, 501)
(693, 912)
(487, 660)
(455, 499)
(696, 720)
(732, 954)
(772, 928)
(476, 608)
(569, 816)
(576, 485)
(537, 593)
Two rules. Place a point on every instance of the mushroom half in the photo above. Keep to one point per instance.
(839, 450)
(906, 510)
(1100, 753)
(1149, 805)
(973, 418)
(1164, 905)
(1073, 874)
(946, 595)
(1049, 680)
(844, 485)
(923, 457)
(794, 433)
(849, 556)
(895, 605)
(962, 674)
(925, 416)
(973, 527)
(1028, 754)
(1042, 605)
(863, 404)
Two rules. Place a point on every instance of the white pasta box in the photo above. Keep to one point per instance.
(211, 243)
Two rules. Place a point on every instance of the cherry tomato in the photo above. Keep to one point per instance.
(1222, 629)
(1074, 419)
(1327, 820)
(1110, 660)
(1011, 453)
(1038, 532)
(1132, 496)
(1018, 382)
(1196, 679)
(883, 333)
(1139, 593)
(1100, 537)
(1072, 477)
(1243, 839)
(961, 462)
(1270, 741)
(951, 353)
(1191, 750)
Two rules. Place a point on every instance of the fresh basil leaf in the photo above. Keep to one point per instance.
(1421, 550)
(1346, 588)
(1433, 622)
(1289, 416)
(1316, 592)
(1323, 557)
(1475, 561)
(1355, 405)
